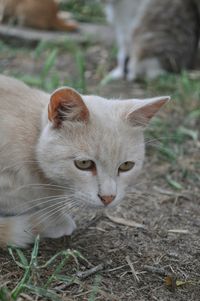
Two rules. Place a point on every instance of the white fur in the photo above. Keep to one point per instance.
(39, 182)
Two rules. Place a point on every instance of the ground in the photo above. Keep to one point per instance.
(155, 259)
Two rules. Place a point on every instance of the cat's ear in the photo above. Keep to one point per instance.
(66, 104)
(145, 110)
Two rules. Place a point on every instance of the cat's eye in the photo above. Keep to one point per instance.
(84, 164)
(126, 166)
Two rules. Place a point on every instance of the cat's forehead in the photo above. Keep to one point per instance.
(108, 109)
(107, 136)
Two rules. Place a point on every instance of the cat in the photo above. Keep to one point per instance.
(153, 36)
(36, 14)
(62, 151)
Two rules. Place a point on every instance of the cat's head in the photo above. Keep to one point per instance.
(94, 146)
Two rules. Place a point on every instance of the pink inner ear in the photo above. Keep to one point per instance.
(150, 110)
(66, 103)
(142, 115)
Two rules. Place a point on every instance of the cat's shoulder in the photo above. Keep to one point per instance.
(14, 91)
(11, 83)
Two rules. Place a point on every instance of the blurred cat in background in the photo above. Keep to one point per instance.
(153, 36)
(39, 14)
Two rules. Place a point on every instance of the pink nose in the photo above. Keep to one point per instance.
(106, 199)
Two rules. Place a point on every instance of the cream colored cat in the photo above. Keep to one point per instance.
(62, 151)
(154, 36)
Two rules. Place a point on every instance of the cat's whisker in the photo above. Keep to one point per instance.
(46, 209)
(161, 138)
(48, 185)
(46, 201)
(39, 220)
(48, 214)
(65, 201)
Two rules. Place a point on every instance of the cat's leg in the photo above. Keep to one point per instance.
(152, 68)
(15, 231)
(132, 69)
(20, 231)
(148, 68)
(118, 72)
(60, 226)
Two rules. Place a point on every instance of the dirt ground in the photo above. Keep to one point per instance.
(134, 260)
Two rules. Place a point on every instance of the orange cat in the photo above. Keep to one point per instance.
(40, 14)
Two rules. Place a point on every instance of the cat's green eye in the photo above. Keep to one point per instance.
(126, 166)
(84, 164)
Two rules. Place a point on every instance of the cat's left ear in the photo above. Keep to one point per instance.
(67, 104)
(145, 110)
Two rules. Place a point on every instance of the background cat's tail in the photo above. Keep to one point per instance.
(63, 25)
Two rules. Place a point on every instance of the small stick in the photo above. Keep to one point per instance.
(125, 222)
(132, 269)
(87, 273)
(155, 270)
(83, 275)
(178, 231)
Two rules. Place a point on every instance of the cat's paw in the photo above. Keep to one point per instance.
(117, 73)
(66, 227)
(131, 76)
(15, 231)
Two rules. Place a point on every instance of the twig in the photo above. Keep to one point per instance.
(155, 270)
(164, 191)
(132, 269)
(179, 231)
(26, 297)
(87, 273)
(82, 275)
(122, 221)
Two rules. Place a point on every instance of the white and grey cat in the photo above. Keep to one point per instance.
(154, 36)
(62, 151)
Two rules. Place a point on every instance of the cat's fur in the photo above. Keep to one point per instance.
(154, 36)
(39, 14)
(42, 135)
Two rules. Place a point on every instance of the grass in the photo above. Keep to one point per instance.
(32, 283)
(177, 136)
(85, 10)
(48, 79)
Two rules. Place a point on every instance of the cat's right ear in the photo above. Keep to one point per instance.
(66, 104)
(144, 110)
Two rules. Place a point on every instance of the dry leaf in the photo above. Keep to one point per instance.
(172, 282)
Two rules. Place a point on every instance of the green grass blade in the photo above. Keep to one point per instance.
(4, 294)
(49, 63)
(42, 292)
(174, 184)
(95, 288)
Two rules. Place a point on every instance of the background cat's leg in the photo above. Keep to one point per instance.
(152, 68)
(59, 226)
(148, 68)
(132, 69)
(15, 231)
(118, 72)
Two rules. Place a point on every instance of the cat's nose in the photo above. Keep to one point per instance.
(106, 199)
